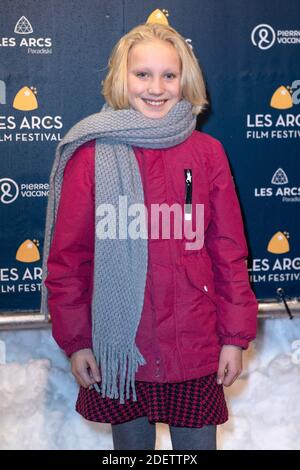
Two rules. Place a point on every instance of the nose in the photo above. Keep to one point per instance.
(156, 86)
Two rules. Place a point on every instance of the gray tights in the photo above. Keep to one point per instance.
(139, 434)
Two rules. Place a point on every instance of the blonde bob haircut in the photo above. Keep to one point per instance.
(192, 84)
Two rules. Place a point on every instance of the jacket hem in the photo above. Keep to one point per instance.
(189, 374)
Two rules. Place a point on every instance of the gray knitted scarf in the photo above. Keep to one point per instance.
(120, 264)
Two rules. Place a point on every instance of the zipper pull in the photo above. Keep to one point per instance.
(188, 176)
(188, 194)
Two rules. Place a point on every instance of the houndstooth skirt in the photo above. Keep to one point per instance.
(193, 403)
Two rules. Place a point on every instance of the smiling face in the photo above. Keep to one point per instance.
(153, 77)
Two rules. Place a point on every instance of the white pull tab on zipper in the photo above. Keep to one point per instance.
(188, 194)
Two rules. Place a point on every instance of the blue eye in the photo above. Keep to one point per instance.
(141, 74)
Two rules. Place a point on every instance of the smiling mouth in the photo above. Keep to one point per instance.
(155, 103)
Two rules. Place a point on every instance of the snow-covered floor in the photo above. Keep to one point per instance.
(38, 393)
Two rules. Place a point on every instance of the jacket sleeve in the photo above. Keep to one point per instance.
(70, 261)
(226, 244)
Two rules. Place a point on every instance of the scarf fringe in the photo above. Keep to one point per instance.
(118, 370)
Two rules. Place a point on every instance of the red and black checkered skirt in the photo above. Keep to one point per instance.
(193, 403)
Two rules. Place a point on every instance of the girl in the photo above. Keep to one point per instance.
(155, 324)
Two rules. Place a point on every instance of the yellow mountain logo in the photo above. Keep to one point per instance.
(282, 98)
(279, 243)
(25, 99)
(158, 16)
(28, 251)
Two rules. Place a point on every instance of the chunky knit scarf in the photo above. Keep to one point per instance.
(120, 264)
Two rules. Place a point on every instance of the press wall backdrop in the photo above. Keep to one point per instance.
(53, 56)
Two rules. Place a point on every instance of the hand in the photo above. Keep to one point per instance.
(84, 367)
(230, 364)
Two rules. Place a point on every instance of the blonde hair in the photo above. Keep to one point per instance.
(192, 83)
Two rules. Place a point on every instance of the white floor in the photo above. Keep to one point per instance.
(38, 393)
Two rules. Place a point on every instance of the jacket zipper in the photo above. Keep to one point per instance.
(188, 194)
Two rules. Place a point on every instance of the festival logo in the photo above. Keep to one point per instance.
(161, 17)
(24, 128)
(158, 16)
(277, 126)
(28, 251)
(279, 243)
(285, 97)
(25, 99)
(21, 278)
(276, 268)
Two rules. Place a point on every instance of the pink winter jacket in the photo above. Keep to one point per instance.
(195, 300)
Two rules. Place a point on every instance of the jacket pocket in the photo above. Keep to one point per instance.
(202, 280)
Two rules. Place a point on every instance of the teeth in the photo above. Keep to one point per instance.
(155, 103)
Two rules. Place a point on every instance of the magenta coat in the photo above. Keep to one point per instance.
(195, 300)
